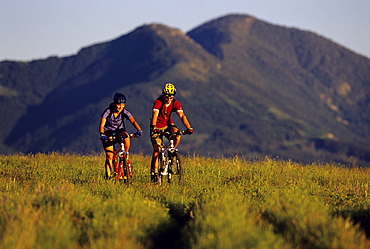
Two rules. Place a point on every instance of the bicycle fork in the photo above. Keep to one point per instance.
(119, 164)
(165, 168)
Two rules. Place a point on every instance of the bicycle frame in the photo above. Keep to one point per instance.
(172, 159)
(121, 163)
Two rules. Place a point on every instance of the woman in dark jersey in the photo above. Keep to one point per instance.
(112, 122)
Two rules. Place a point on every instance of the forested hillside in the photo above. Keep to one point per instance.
(248, 87)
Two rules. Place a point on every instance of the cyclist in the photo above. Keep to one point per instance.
(161, 120)
(112, 122)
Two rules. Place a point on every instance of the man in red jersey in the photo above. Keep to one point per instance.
(162, 121)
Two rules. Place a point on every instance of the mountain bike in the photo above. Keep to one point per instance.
(121, 162)
(170, 164)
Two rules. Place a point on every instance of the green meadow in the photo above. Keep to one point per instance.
(62, 201)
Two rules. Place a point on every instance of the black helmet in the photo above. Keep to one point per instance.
(119, 98)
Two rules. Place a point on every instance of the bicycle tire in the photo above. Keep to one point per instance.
(175, 167)
(169, 171)
(162, 164)
(170, 167)
(178, 165)
(124, 170)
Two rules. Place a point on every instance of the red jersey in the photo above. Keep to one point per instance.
(164, 116)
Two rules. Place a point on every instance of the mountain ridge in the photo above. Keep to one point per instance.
(247, 86)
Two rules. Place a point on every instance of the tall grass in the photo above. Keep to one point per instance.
(62, 201)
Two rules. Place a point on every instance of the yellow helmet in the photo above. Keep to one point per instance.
(169, 89)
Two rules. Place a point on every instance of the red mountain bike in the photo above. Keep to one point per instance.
(121, 162)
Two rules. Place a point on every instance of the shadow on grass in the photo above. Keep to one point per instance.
(170, 234)
(360, 217)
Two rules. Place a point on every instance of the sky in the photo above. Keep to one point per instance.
(37, 29)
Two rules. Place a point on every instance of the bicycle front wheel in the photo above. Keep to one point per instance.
(124, 170)
(163, 167)
(175, 167)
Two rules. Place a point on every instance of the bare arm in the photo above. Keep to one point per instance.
(134, 123)
(101, 126)
(184, 119)
(153, 121)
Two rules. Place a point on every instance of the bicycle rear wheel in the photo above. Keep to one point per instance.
(175, 167)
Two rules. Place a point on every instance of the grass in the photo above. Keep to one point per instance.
(62, 201)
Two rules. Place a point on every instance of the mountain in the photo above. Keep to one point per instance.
(248, 87)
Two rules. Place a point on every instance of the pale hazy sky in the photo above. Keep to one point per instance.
(34, 29)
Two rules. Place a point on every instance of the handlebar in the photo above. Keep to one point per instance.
(184, 132)
(132, 135)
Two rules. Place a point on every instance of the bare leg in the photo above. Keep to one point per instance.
(108, 161)
(127, 144)
(154, 162)
(176, 139)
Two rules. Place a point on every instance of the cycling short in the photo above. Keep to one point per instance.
(157, 138)
(119, 135)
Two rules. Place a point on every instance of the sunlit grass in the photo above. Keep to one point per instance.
(62, 201)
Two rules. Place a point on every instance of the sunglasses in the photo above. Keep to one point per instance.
(169, 97)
